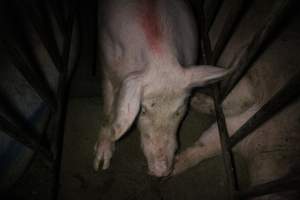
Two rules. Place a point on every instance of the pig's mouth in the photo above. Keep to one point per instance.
(160, 174)
(160, 169)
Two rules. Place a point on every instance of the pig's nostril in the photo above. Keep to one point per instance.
(160, 171)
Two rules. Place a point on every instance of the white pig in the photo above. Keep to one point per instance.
(148, 53)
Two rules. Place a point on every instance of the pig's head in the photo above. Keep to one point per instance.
(160, 99)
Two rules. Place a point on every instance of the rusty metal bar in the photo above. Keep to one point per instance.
(227, 30)
(290, 182)
(33, 78)
(285, 96)
(250, 52)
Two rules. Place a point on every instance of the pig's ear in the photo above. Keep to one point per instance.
(199, 76)
(126, 105)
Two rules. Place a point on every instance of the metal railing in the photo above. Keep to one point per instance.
(284, 97)
(57, 100)
(48, 143)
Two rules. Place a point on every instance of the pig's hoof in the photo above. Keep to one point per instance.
(104, 149)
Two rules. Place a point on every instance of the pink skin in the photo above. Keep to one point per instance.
(142, 57)
(149, 21)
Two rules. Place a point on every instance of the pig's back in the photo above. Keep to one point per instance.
(135, 34)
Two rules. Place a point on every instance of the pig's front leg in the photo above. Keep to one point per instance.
(120, 112)
(105, 144)
(104, 148)
(208, 145)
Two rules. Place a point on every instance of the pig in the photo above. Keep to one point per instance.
(272, 150)
(148, 52)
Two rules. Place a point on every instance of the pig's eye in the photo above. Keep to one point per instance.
(143, 110)
(177, 114)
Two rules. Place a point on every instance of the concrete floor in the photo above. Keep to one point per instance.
(127, 178)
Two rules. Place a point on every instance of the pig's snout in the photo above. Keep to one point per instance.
(160, 168)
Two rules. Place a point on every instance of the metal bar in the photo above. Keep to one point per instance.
(58, 16)
(33, 78)
(59, 119)
(205, 40)
(95, 36)
(19, 123)
(227, 29)
(224, 140)
(196, 8)
(279, 185)
(51, 35)
(212, 11)
(285, 96)
(250, 52)
(23, 136)
(44, 32)
(224, 137)
(14, 115)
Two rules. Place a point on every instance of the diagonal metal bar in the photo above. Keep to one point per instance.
(227, 29)
(45, 33)
(285, 96)
(250, 52)
(212, 10)
(33, 78)
(8, 110)
(279, 185)
(23, 136)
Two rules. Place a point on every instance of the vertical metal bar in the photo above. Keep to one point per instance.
(227, 29)
(248, 54)
(205, 40)
(59, 119)
(95, 36)
(224, 138)
(286, 95)
(196, 8)
(226, 150)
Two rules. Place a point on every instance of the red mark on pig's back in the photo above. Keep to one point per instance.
(150, 22)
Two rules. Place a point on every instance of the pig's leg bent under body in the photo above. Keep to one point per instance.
(208, 145)
(105, 144)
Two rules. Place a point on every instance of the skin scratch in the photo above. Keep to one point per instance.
(150, 24)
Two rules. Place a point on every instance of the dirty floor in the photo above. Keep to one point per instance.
(127, 177)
